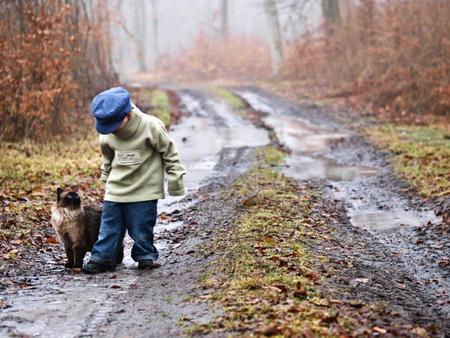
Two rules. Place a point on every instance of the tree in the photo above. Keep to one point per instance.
(224, 29)
(139, 30)
(155, 20)
(331, 11)
(276, 46)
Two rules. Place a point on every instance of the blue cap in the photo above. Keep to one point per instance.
(110, 108)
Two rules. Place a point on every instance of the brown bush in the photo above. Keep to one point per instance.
(394, 56)
(237, 57)
(51, 62)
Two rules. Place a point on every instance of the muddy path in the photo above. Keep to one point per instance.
(383, 249)
(380, 252)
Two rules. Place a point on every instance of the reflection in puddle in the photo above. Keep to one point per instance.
(389, 221)
(211, 127)
(306, 168)
(299, 136)
(302, 137)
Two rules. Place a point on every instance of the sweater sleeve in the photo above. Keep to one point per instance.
(175, 171)
(108, 156)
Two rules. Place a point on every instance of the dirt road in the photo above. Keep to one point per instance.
(383, 250)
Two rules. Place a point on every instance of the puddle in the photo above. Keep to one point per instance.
(389, 221)
(200, 137)
(211, 127)
(300, 136)
(306, 168)
(304, 140)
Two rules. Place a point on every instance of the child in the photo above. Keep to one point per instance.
(136, 150)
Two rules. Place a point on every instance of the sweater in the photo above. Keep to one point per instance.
(135, 158)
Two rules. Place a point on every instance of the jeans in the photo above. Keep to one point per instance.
(138, 218)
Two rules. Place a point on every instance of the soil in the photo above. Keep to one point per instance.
(386, 245)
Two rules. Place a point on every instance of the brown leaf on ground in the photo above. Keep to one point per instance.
(52, 240)
(271, 330)
(379, 330)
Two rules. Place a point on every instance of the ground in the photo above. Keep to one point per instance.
(295, 223)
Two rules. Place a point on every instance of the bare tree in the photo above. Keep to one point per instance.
(155, 25)
(331, 11)
(224, 19)
(139, 31)
(276, 45)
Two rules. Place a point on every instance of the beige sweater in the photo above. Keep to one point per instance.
(135, 158)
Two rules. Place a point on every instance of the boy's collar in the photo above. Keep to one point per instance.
(131, 126)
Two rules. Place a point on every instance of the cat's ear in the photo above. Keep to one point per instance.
(59, 191)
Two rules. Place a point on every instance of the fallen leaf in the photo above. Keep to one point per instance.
(379, 330)
(115, 286)
(52, 240)
(271, 330)
(282, 287)
(313, 276)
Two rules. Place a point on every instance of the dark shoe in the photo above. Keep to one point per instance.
(94, 267)
(148, 264)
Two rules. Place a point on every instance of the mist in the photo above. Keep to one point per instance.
(181, 21)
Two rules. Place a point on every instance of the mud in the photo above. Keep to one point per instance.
(380, 225)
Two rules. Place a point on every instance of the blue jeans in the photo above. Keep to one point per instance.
(138, 218)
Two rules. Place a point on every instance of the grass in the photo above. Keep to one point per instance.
(29, 176)
(266, 282)
(155, 102)
(233, 101)
(421, 155)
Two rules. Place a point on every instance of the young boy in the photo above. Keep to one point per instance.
(136, 150)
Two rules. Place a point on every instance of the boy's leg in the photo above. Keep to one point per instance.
(112, 229)
(140, 220)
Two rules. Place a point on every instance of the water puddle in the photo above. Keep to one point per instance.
(389, 221)
(200, 137)
(307, 168)
(304, 140)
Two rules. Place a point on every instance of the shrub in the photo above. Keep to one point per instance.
(393, 55)
(52, 56)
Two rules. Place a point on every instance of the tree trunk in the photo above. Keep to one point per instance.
(139, 21)
(270, 8)
(224, 20)
(155, 24)
(331, 11)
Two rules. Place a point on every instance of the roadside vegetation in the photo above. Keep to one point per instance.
(154, 101)
(421, 155)
(233, 101)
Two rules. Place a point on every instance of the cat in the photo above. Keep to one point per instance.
(77, 226)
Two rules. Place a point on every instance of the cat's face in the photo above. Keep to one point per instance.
(70, 200)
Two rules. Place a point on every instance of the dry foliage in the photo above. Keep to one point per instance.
(54, 56)
(237, 57)
(392, 55)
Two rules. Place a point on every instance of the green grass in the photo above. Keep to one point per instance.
(421, 155)
(235, 102)
(158, 102)
(29, 176)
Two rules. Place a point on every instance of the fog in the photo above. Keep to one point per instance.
(180, 21)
